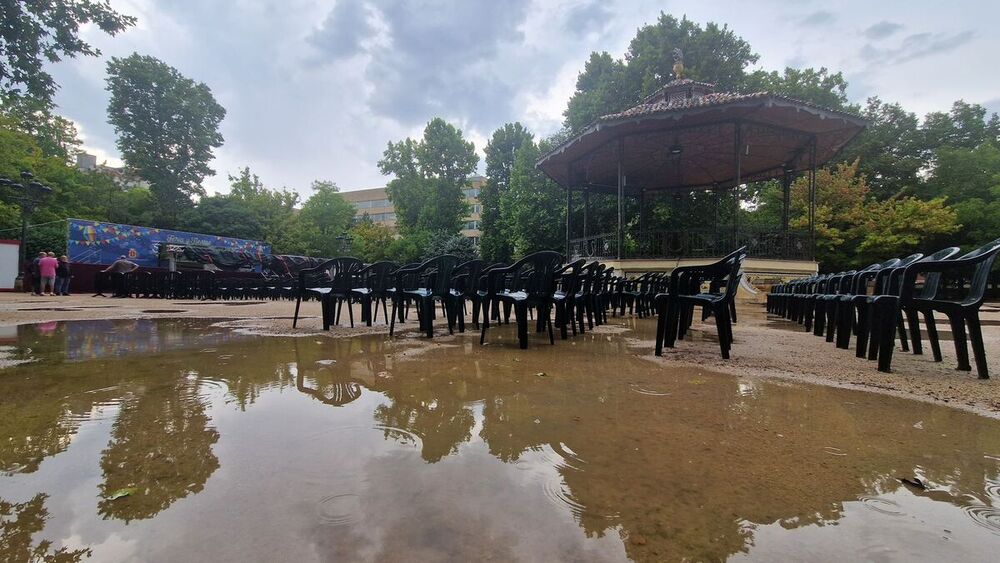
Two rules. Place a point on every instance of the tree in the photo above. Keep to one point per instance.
(224, 216)
(34, 33)
(273, 209)
(371, 241)
(964, 126)
(430, 174)
(712, 53)
(534, 207)
(970, 181)
(890, 150)
(167, 126)
(455, 244)
(55, 135)
(495, 244)
(327, 210)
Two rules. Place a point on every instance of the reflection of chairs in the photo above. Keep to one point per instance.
(343, 392)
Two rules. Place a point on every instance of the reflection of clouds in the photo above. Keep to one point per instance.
(19, 523)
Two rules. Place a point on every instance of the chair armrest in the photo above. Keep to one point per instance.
(911, 272)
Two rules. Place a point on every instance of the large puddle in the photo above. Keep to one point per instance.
(176, 440)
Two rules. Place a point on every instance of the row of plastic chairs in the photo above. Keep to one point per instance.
(877, 302)
(192, 284)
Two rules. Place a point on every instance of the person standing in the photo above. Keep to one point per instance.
(36, 274)
(47, 269)
(119, 270)
(62, 276)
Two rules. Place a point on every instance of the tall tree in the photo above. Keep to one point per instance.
(495, 244)
(327, 210)
(56, 135)
(34, 33)
(167, 126)
(534, 207)
(430, 175)
(890, 150)
(964, 126)
(820, 87)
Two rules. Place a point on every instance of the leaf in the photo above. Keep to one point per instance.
(120, 493)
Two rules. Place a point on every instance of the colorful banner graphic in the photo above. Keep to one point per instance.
(93, 242)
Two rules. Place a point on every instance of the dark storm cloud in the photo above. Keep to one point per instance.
(881, 30)
(442, 58)
(342, 31)
(818, 18)
(916, 46)
(588, 17)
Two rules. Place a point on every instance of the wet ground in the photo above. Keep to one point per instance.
(178, 440)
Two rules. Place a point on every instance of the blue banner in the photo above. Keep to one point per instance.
(94, 242)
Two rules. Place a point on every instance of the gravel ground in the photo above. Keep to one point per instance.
(765, 346)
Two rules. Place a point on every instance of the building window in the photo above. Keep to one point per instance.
(471, 225)
(472, 193)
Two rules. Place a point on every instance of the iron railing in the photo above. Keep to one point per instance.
(697, 243)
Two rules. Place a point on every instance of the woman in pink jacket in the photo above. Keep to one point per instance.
(47, 269)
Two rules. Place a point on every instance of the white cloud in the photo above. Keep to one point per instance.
(314, 89)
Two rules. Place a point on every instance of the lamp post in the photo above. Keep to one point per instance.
(29, 194)
(345, 241)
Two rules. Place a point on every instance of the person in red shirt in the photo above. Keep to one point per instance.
(47, 269)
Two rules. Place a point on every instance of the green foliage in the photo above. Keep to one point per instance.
(324, 217)
(55, 135)
(970, 180)
(495, 244)
(224, 216)
(167, 126)
(371, 241)
(602, 88)
(36, 33)
(890, 150)
(534, 208)
(446, 243)
(430, 175)
(809, 85)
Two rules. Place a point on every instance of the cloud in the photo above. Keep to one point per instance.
(818, 18)
(916, 46)
(588, 17)
(881, 30)
(343, 30)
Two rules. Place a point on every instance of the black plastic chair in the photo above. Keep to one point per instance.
(534, 286)
(371, 285)
(961, 310)
(331, 281)
(434, 283)
(674, 307)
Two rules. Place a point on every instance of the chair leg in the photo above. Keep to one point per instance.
(721, 323)
(426, 315)
(901, 328)
(831, 319)
(914, 322)
(661, 325)
(887, 337)
(521, 317)
(961, 347)
(673, 318)
(548, 320)
(350, 310)
(861, 313)
(932, 335)
(392, 318)
(978, 350)
(295, 319)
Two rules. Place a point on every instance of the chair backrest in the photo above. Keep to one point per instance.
(536, 272)
(335, 273)
(437, 273)
(467, 276)
(986, 255)
(933, 279)
(377, 276)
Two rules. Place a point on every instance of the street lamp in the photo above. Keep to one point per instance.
(345, 240)
(29, 193)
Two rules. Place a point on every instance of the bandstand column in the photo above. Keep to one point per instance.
(621, 194)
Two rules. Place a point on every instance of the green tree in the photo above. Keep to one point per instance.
(35, 33)
(456, 244)
(273, 209)
(224, 216)
(55, 135)
(970, 181)
(964, 126)
(430, 175)
(327, 210)
(371, 241)
(534, 207)
(495, 244)
(712, 53)
(890, 150)
(167, 126)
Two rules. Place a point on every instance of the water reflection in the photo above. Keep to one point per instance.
(19, 523)
(368, 448)
(160, 451)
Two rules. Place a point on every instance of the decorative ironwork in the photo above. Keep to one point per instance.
(698, 243)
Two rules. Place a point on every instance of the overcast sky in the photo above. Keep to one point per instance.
(315, 89)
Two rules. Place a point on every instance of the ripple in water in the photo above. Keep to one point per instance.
(986, 516)
(881, 505)
(834, 451)
(339, 510)
(993, 489)
(635, 388)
